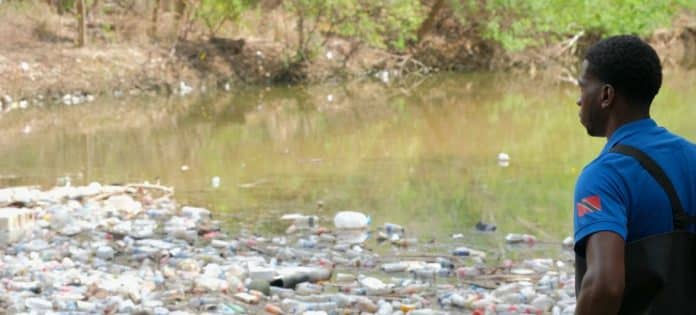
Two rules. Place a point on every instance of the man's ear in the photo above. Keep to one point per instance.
(607, 96)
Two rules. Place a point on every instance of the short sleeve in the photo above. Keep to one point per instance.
(599, 204)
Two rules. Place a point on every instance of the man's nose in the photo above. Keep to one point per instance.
(578, 101)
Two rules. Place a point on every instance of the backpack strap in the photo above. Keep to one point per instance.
(680, 219)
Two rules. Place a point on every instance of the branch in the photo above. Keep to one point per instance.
(571, 43)
(308, 36)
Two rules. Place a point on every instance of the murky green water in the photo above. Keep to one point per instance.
(423, 157)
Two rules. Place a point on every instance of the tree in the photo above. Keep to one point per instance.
(215, 13)
(520, 24)
(428, 24)
(81, 23)
(155, 14)
(384, 24)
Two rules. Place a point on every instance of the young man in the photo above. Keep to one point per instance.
(618, 203)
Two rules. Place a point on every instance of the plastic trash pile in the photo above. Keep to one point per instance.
(131, 249)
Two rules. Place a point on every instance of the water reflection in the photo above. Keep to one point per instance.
(425, 157)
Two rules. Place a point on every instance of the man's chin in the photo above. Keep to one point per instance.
(594, 133)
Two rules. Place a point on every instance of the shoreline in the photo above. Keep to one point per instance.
(35, 72)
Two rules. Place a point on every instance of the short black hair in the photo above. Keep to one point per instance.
(629, 64)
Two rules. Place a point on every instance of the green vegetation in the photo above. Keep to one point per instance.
(520, 24)
(303, 30)
(394, 25)
(215, 13)
(384, 24)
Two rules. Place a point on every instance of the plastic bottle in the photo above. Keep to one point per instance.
(273, 309)
(353, 290)
(466, 272)
(215, 182)
(543, 302)
(457, 300)
(391, 228)
(306, 243)
(465, 251)
(395, 267)
(306, 288)
(345, 277)
(513, 238)
(38, 304)
(105, 252)
(281, 292)
(195, 213)
(385, 308)
(351, 220)
(247, 298)
(427, 273)
(301, 222)
(366, 305)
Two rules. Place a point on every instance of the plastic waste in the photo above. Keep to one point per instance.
(351, 220)
(503, 159)
(93, 250)
(395, 267)
(466, 251)
(513, 238)
(485, 227)
(195, 213)
(392, 228)
(291, 277)
(215, 182)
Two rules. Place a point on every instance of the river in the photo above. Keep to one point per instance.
(422, 154)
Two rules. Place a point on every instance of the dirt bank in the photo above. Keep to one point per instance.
(39, 62)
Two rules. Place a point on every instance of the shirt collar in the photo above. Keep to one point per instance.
(628, 130)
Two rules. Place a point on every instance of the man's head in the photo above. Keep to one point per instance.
(620, 76)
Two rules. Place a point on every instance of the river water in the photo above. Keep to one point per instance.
(423, 154)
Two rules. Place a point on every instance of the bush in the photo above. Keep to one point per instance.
(384, 24)
(520, 24)
(215, 13)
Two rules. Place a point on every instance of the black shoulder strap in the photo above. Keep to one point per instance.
(680, 218)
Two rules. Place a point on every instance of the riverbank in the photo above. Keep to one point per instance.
(39, 63)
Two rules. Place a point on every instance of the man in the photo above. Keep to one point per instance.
(617, 201)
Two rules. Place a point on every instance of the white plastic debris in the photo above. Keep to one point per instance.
(97, 249)
(351, 220)
(503, 159)
(215, 182)
(513, 238)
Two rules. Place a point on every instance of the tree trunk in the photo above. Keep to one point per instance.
(300, 34)
(180, 9)
(94, 10)
(81, 23)
(428, 24)
(60, 6)
(155, 10)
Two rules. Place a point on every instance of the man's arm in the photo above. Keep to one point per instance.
(603, 284)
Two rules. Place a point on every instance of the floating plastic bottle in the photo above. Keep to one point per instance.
(392, 228)
(351, 220)
(466, 251)
(513, 238)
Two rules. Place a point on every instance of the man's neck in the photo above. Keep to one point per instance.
(616, 121)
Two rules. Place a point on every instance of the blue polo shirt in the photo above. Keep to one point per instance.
(615, 193)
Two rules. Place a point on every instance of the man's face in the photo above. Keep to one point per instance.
(592, 114)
